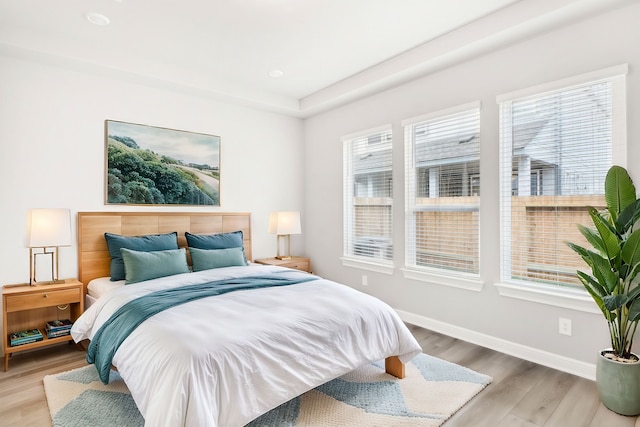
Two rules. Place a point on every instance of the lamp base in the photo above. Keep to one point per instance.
(284, 247)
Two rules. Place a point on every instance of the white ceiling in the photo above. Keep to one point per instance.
(329, 51)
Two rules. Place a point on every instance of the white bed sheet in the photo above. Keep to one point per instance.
(100, 286)
(225, 360)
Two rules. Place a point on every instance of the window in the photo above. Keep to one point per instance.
(442, 177)
(557, 143)
(368, 196)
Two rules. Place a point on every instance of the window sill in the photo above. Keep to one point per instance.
(385, 268)
(565, 298)
(469, 282)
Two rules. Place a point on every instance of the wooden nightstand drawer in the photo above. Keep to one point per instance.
(298, 265)
(43, 298)
(296, 262)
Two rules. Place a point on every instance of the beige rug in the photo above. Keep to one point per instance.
(432, 391)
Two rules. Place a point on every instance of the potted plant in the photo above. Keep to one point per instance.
(614, 261)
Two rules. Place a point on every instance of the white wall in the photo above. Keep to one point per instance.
(52, 151)
(519, 327)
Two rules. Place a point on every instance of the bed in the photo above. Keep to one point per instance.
(224, 360)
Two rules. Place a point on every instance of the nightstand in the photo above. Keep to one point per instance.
(31, 307)
(297, 262)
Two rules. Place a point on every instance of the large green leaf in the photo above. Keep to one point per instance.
(634, 293)
(631, 249)
(597, 293)
(592, 237)
(584, 253)
(603, 273)
(629, 216)
(630, 272)
(619, 191)
(610, 241)
(634, 311)
(596, 289)
(615, 302)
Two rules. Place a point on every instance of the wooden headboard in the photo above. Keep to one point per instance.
(93, 254)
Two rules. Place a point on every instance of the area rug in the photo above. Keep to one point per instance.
(432, 391)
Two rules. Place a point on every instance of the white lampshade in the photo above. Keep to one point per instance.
(48, 228)
(284, 222)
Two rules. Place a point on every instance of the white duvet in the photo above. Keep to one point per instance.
(225, 360)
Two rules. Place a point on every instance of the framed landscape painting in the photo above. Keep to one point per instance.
(147, 165)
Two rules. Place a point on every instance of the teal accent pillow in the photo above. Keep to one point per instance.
(151, 242)
(141, 266)
(206, 259)
(233, 239)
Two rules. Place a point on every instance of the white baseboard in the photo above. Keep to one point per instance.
(541, 357)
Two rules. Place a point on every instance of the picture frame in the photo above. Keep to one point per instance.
(149, 165)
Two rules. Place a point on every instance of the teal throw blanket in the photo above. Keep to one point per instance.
(117, 328)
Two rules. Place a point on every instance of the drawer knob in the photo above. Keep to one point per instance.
(46, 296)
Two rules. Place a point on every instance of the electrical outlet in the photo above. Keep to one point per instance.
(364, 280)
(564, 326)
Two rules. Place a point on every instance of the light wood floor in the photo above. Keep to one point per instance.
(522, 394)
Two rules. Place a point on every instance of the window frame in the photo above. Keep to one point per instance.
(565, 297)
(433, 275)
(379, 265)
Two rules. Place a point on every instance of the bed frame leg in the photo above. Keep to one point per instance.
(393, 366)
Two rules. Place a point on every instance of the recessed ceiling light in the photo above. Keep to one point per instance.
(276, 74)
(97, 18)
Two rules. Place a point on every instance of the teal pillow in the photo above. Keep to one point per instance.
(232, 239)
(140, 266)
(206, 259)
(151, 242)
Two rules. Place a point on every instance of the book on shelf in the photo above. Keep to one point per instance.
(58, 325)
(17, 343)
(60, 333)
(25, 337)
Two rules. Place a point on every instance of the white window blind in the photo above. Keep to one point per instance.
(442, 156)
(556, 148)
(368, 196)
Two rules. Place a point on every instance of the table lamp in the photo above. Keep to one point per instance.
(284, 224)
(47, 229)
